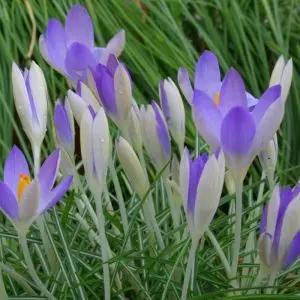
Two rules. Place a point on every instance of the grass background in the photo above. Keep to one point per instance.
(161, 37)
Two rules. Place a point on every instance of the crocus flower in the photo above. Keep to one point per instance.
(279, 239)
(64, 126)
(135, 130)
(30, 95)
(207, 79)
(23, 200)
(81, 100)
(201, 185)
(112, 86)
(242, 134)
(71, 50)
(155, 135)
(95, 147)
(132, 167)
(173, 109)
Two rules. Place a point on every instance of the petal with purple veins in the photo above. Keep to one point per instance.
(8, 201)
(79, 27)
(207, 118)
(293, 251)
(232, 92)
(207, 74)
(15, 165)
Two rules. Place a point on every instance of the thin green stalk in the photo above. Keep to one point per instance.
(238, 227)
(3, 294)
(188, 270)
(31, 268)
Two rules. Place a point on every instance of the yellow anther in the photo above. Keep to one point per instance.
(23, 183)
(217, 99)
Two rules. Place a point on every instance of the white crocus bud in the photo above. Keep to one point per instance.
(173, 109)
(282, 74)
(132, 167)
(95, 147)
(30, 95)
(175, 182)
(134, 125)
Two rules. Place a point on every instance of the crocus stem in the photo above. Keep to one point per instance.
(40, 221)
(271, 282)
(238, 227)
(3, 294)
(188, 270)
(30, 266)
(104, 246)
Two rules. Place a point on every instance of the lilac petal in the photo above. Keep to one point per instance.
(265, 101)
(207, 118)
(232, 92)
(8, 201)
(164, 100)
(15, 165)
(112, 63)
(237, 134)
(161, 129)
(98, 52)
(78, 59)
(196, 168)
(207, 74)
(56, 44)
(105, 86)
(293, 251)
(296, 190)
(79, 27)
(62, 124)
(48, 173)
(185, 84)
(56, 194)
(251, 101)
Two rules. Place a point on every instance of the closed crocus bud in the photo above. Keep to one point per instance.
(134, 125)
(132, 167)
(95, 147)
(229, 182)
(155, 135)
(30, 94)
(81, 100)
(201, 185)
(175, 181)
(268, 158)
(278, 244)
(173, 109)
(282, 74)
(112, 85)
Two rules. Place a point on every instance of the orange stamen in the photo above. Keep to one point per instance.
(217, 99)
(23, 183)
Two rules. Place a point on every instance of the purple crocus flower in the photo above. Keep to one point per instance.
(71, 50)
(242, 134)
(279, 239)
(201, 185)
(155, 134)
(112, 85)
(22, 199)
(207, 79)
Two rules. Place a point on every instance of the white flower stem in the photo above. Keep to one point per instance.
(104, 245)
(30, 266)
(188, 270)
(238, 227)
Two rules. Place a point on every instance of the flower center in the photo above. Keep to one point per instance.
(23, 183)
(217, 99)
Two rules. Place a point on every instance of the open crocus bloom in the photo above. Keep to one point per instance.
(279, 240)
(229, 124)
(22, 199)
(207, 79)
(201, 182)
(71, 50)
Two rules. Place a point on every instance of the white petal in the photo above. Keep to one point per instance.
(135, 131)
(208, 196)
(77, 104)
(286, 79)
(101, 144)
(123, 93)
(277, 72)
(117, 43)
(21, 98)
(29, 202)
(88, 96)
(272, 213)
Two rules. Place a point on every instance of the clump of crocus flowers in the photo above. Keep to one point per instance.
(236, 126)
